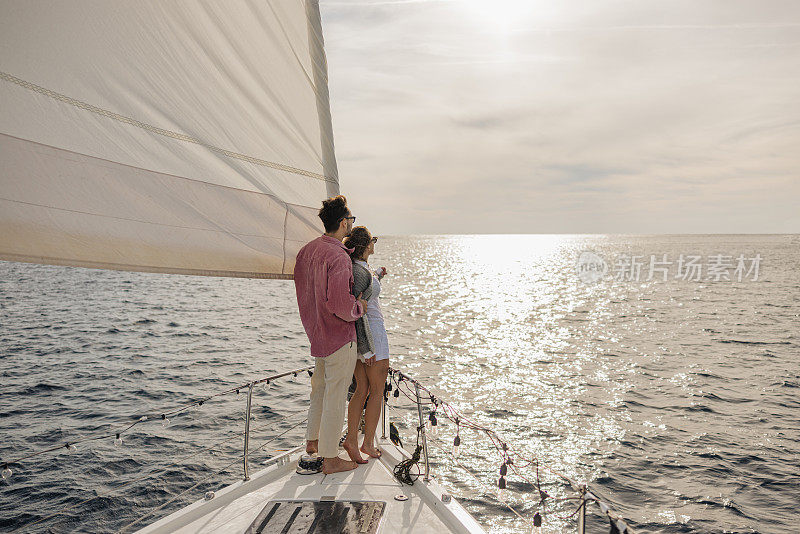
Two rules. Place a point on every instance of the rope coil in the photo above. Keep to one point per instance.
(402, 471)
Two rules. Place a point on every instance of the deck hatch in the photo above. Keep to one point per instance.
(312, 517)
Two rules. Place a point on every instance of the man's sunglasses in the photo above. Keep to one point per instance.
(352, 218)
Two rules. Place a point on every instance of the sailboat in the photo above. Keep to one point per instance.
(189, 138)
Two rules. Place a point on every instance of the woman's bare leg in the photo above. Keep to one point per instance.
(354, 410)
(376, 375)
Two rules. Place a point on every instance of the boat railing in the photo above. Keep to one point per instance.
(250, 386)
(398, 383)
(421, 397)
(117, 433)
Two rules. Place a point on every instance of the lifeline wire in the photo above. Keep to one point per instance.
(509, 457)
(498, 493)
(238, 458)
(236, 434)
(155, 416)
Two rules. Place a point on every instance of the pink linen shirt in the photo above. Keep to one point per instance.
(323, 280)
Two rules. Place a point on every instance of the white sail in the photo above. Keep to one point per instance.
(180, 137)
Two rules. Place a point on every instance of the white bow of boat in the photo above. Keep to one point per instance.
(395, 493)
(366, 500)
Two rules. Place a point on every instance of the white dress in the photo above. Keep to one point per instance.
(375, 318)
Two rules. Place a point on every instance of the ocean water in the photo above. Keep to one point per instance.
(677, 401)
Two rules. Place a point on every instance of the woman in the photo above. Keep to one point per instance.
(373, 344)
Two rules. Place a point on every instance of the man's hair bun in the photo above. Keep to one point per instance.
(333, 211)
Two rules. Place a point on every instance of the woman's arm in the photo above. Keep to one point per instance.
(362, 280)
(340, 301)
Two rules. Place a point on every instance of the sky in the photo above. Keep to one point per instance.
(533, 116)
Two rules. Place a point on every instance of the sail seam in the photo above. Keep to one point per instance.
(137, 220)
(273, 196)
(159, 131)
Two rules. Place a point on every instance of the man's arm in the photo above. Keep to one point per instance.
(339, 301)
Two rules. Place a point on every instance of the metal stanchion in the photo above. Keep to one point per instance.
(383, 411)
(582, 512)
(247, 430)
(422, 430)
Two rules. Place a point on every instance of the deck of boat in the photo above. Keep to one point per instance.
(236, 507)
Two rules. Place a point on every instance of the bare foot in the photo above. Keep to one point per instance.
(337, 465)
(352, 452)
(311, 446)
(370, 450)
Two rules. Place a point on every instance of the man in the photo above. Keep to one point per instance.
(323, 280)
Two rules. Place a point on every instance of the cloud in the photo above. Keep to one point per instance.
(572, 117)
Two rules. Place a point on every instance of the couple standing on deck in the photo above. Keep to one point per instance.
(337, 295)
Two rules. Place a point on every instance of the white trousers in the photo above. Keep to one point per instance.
(332, 376)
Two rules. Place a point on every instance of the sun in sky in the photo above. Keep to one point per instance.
(501, 15)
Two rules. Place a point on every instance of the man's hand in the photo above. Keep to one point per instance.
(363, 302)
(370, 361)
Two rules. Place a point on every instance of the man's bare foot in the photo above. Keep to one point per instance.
(311, 446)
(352, 452)
(370, 450)
(337, 465)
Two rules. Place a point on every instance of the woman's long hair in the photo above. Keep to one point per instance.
(358, 240)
